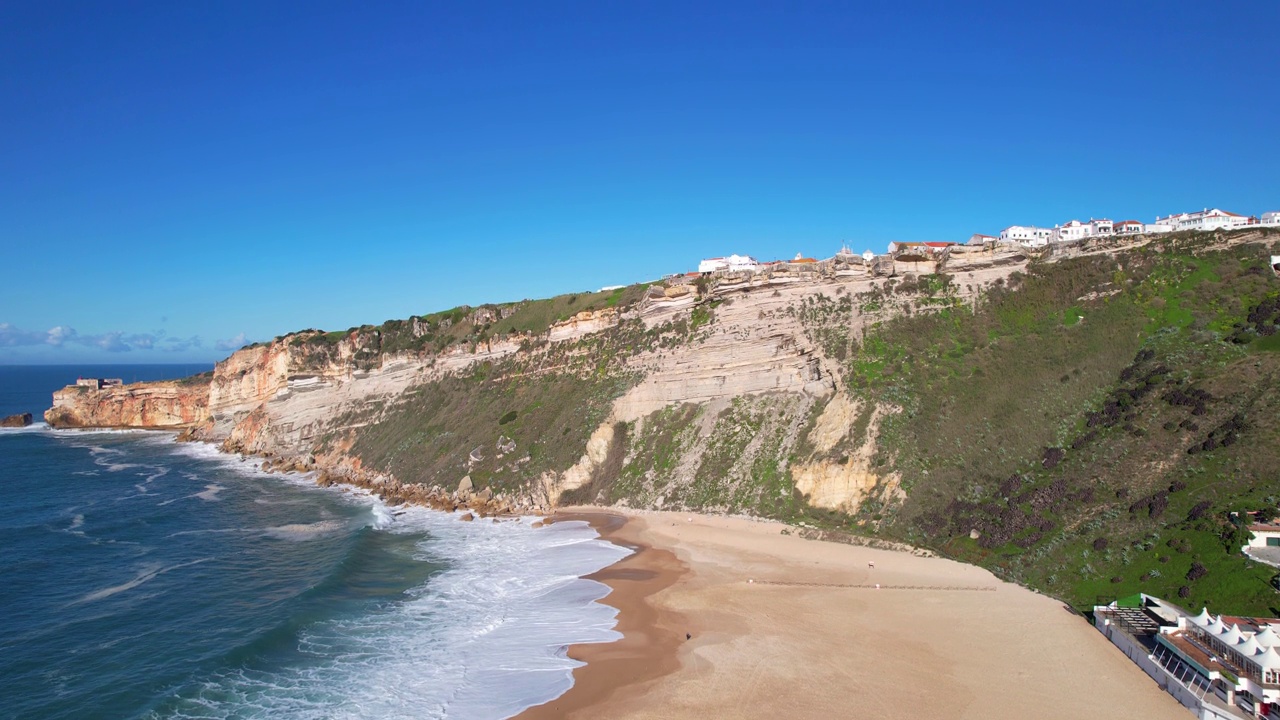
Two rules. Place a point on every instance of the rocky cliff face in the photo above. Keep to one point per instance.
(159, 405)
(759, 352)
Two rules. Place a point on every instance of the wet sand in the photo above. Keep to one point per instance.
(787, 627)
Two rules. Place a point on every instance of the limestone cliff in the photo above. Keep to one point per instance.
(726, 395)
(159, 405)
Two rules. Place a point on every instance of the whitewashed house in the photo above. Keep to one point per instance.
(1271, 218)
(1207, 219)
(1264, 535)
(733, 263)
(1128, 227)
(980, 239)
(1026, 235)
(1101, 228)
(1068, 231)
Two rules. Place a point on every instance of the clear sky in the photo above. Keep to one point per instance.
(179, 177)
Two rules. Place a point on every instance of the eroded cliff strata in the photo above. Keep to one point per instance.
(728, 395)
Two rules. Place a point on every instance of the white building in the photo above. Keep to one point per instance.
(1076, 230)
(980, 239)
(1026, 235)
(1128, 227)
(1207, 219)
(1068, 231)
(733, 263)
(1264, 535)
(1271, 218)
(1217, 667)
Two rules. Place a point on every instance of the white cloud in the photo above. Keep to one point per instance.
(114, 341)
(234, 343)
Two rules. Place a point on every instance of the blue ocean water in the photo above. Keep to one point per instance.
(145, 578)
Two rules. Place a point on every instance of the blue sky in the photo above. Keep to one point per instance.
(177, 178)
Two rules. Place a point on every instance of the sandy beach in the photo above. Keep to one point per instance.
(781, 626)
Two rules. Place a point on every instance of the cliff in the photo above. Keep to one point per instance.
(986, 408)
(159, 405)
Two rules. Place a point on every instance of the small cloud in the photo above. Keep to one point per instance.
(234, 343)
(59, 335)
(174, 344)
(11, 336)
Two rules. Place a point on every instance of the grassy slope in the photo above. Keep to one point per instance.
(1056, 421)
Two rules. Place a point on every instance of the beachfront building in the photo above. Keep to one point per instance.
(1128, 227)
(980, 239)
(1217, 667)
(1271, 218)
(1026, 235)
(732, 263)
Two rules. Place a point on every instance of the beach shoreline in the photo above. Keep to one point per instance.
(733, 617)
(650, 635)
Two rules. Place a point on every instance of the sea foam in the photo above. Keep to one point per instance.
(484, 639)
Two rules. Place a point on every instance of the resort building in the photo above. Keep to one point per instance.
(1128, 227)
(1217, 667)
(1026, 235)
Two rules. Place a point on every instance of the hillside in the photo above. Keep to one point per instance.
(1082, 420)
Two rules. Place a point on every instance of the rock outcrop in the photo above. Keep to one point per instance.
(159, 405)
(16, 421)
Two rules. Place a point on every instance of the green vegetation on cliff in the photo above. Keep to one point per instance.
(1090, 426)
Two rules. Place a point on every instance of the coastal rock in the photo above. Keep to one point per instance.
(467, 518)
(161, 405)
(16, 421)
(464, 486)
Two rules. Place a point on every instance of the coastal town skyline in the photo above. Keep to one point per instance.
(337, 168)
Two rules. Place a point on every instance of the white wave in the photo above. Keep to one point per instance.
(210, 493)
(299, 532)
(485, 639)
(382, 517)
(146, 574)
(35, 427)
(76, 522)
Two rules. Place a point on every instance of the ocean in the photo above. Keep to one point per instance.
(144, 578)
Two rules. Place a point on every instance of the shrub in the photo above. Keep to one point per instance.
(507, 418)
(1100, 544)
(1197, 571)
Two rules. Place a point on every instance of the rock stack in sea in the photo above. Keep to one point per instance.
(16, 421)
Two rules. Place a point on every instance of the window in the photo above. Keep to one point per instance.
(1273, 542)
